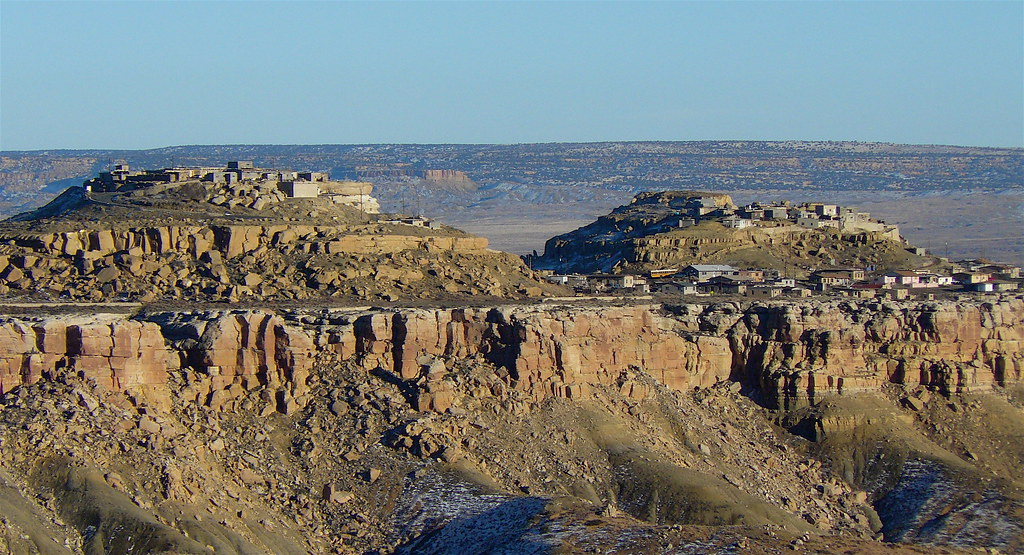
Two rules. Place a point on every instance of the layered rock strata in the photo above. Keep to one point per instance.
(799, 352)
(235, 352)
(228, 354)
(236, 262)
(119, 354)
(793, 353)
(234, 240)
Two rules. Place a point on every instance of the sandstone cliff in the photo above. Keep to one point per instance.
(792, 353)
(116, 353)
(243, 428)
(789, 354)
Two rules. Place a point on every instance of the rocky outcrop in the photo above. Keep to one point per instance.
(234, 240)
(235, 262)
(547, 352)
(163, 235)
(791, 353)
(676, 228)
(234, 352)
(450, 177)
(799, 352)
(230, 353)
(118, 354)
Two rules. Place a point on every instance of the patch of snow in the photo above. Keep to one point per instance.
(441, 514)
(927, 507)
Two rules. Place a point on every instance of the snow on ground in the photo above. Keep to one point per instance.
(441, 514)
(927, 507)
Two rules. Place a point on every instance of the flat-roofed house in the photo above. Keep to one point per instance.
(750, 275)
(725, 286)
(764, 291)
(1001, 271)
(905, 277)
(812, 222)
(970, 278)
(678, 288)
(612, 281)
(824, 209)
(736, 222)
(299, 189)
(312, 176)
(837, 276)
(704, 272)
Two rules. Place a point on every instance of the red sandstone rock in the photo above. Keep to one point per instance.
(119, 354)
(793, 352)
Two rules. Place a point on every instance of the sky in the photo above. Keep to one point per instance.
(144, 74)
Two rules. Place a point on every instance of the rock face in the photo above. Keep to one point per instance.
(797, 353)
(236, 262)
(233, 352)
(119, 354)
(234, 240)
(546, 351)
(172, 241)
(794, 353)
(243, 348)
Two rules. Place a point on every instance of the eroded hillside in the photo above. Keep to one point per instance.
(539, 429)
(200, 241)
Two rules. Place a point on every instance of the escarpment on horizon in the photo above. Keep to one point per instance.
(790, 353)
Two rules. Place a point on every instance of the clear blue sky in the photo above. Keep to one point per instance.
(152, 74)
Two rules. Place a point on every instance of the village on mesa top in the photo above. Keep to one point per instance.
(685, 209)
(654, 213)
(238, 175)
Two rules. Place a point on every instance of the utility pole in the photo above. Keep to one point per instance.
(416, 196)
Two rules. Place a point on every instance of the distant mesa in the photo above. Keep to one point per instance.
(516, 184)
(676, 228)
(443, 179)
(242, 233)
(695, 243)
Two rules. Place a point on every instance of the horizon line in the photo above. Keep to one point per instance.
(498, 144)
